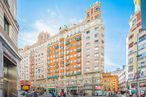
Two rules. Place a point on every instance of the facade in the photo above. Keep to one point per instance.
(33, 66)
(75, 56)
(143, 13)
(135, 53)
(109, 82)
(121, 73)
(9, 58)
(122, 81)
(117, 71)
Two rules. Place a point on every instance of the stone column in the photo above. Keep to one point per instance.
(1, 70)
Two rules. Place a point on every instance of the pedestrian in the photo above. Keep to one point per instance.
(64, 94)
(55, 94)
(119, 94)
(134, 95)
(52, 94)
(61, 94)
(35, 94)
(58, 94)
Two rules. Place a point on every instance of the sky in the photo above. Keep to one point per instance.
(35, 16)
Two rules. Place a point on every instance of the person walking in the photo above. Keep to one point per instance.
(64, 94)
(61, 94)
(58, 94)
(35, 94)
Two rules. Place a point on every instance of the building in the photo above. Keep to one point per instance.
(117, 71)
(109, 82)
(34, 63)
(9, 58)
(122, 80)
(121, 73)
(143, 13)
(135, 51)
(75, 56)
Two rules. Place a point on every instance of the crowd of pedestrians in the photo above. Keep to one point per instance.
(58, 94)
(64, 94)
(124, 94)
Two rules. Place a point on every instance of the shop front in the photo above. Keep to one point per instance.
(72, 90)
(88, 89)
(25, 85)
(98, 90)
(51, 89)
(142, 87)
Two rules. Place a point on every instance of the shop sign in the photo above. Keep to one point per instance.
(98, 87)
(25, 87)
(142, 84)
(88, 87)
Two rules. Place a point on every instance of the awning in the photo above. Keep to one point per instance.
(72, 88)
(50, 89)
(133, 91)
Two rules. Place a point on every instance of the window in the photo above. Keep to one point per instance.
(130, 68)
(96, 41)
(142, 65)
(74, 49)
(142, 38)
(130, 61)
(75, 61)
(74, 55)
(131, 36)
(131, 45)
(87, 32)
(88, 37)
(133, 22)
(7, 3)
(97, 8)
(6, 25)
(96, 35)
(130, 52)
(88, 44)
(62, 47)
(142, 56)
(96, 28)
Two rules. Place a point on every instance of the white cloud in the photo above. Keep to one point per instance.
(52, 13)
(109, 64)
(74, 20)
(28, 38)
(40, 26)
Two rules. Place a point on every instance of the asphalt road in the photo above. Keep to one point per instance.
(70, 96)
(48, 95)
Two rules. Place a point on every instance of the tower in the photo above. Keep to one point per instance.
(94, 11)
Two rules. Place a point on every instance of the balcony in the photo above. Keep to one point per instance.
(67, 64)
(78, 73)
(52, 77)
(56, 47)
(73, 74)
(78, 67)
(78, 38)
(67, 43)
(78, 61)
(78, 50)
(78, 56)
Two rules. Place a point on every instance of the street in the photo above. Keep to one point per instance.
(66, 96)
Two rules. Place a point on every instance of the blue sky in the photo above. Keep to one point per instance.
(35, 16)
